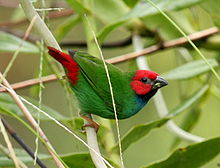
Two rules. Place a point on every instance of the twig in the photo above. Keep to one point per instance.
(20, 141)
(159, 100)
(173, 43)
(31, 82)
(121, 43)
(31, 121)
(9, 145)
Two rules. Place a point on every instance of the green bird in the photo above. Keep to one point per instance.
(88, 80)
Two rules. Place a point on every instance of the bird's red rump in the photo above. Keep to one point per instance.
(68, 62)
(145, 73)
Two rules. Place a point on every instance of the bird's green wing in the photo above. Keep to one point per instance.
(93, 70)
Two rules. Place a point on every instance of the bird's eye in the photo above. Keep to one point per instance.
(145, 80)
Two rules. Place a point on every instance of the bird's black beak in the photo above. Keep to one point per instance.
(159, 83)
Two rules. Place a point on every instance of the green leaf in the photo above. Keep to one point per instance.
(131, 3)
(193, 156)
(144, 9)
(81, 160)
(10, 43)
(139, 131)
(108, 11)
(77, 6)
(6, 103)
(65, 27)
(106, 30)
(198, 95)
(190, 70)
(212, 7)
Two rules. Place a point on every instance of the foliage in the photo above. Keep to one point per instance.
(192, 95)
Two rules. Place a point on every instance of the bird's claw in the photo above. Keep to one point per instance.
(92, 125)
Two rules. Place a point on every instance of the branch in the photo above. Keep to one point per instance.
(121, 43)
(173, 43)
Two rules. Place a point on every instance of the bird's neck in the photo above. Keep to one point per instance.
(143, 99)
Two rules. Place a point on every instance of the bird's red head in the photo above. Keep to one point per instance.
(145, 81)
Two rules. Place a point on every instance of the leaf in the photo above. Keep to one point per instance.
(190, 101)
(78, 6)
(65, 27)
(144, 9)
(190, 70)
(108, 11)
(10, 43)
(193, 156)
(139, 131)
(81, 160)
(6, 103)
(212, 7)
(131, 3)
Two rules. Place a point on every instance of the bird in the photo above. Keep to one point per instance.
(88, 80)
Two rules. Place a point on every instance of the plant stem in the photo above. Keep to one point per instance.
(159, 100)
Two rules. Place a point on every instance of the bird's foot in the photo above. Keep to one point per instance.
(91, 123)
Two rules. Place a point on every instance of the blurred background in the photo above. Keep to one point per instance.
(200, 118)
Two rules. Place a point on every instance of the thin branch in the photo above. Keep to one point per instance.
(21, 142)
(173, 43)
(31, 82)
(121, 43)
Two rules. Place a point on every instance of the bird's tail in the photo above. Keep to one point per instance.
(68, 63)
